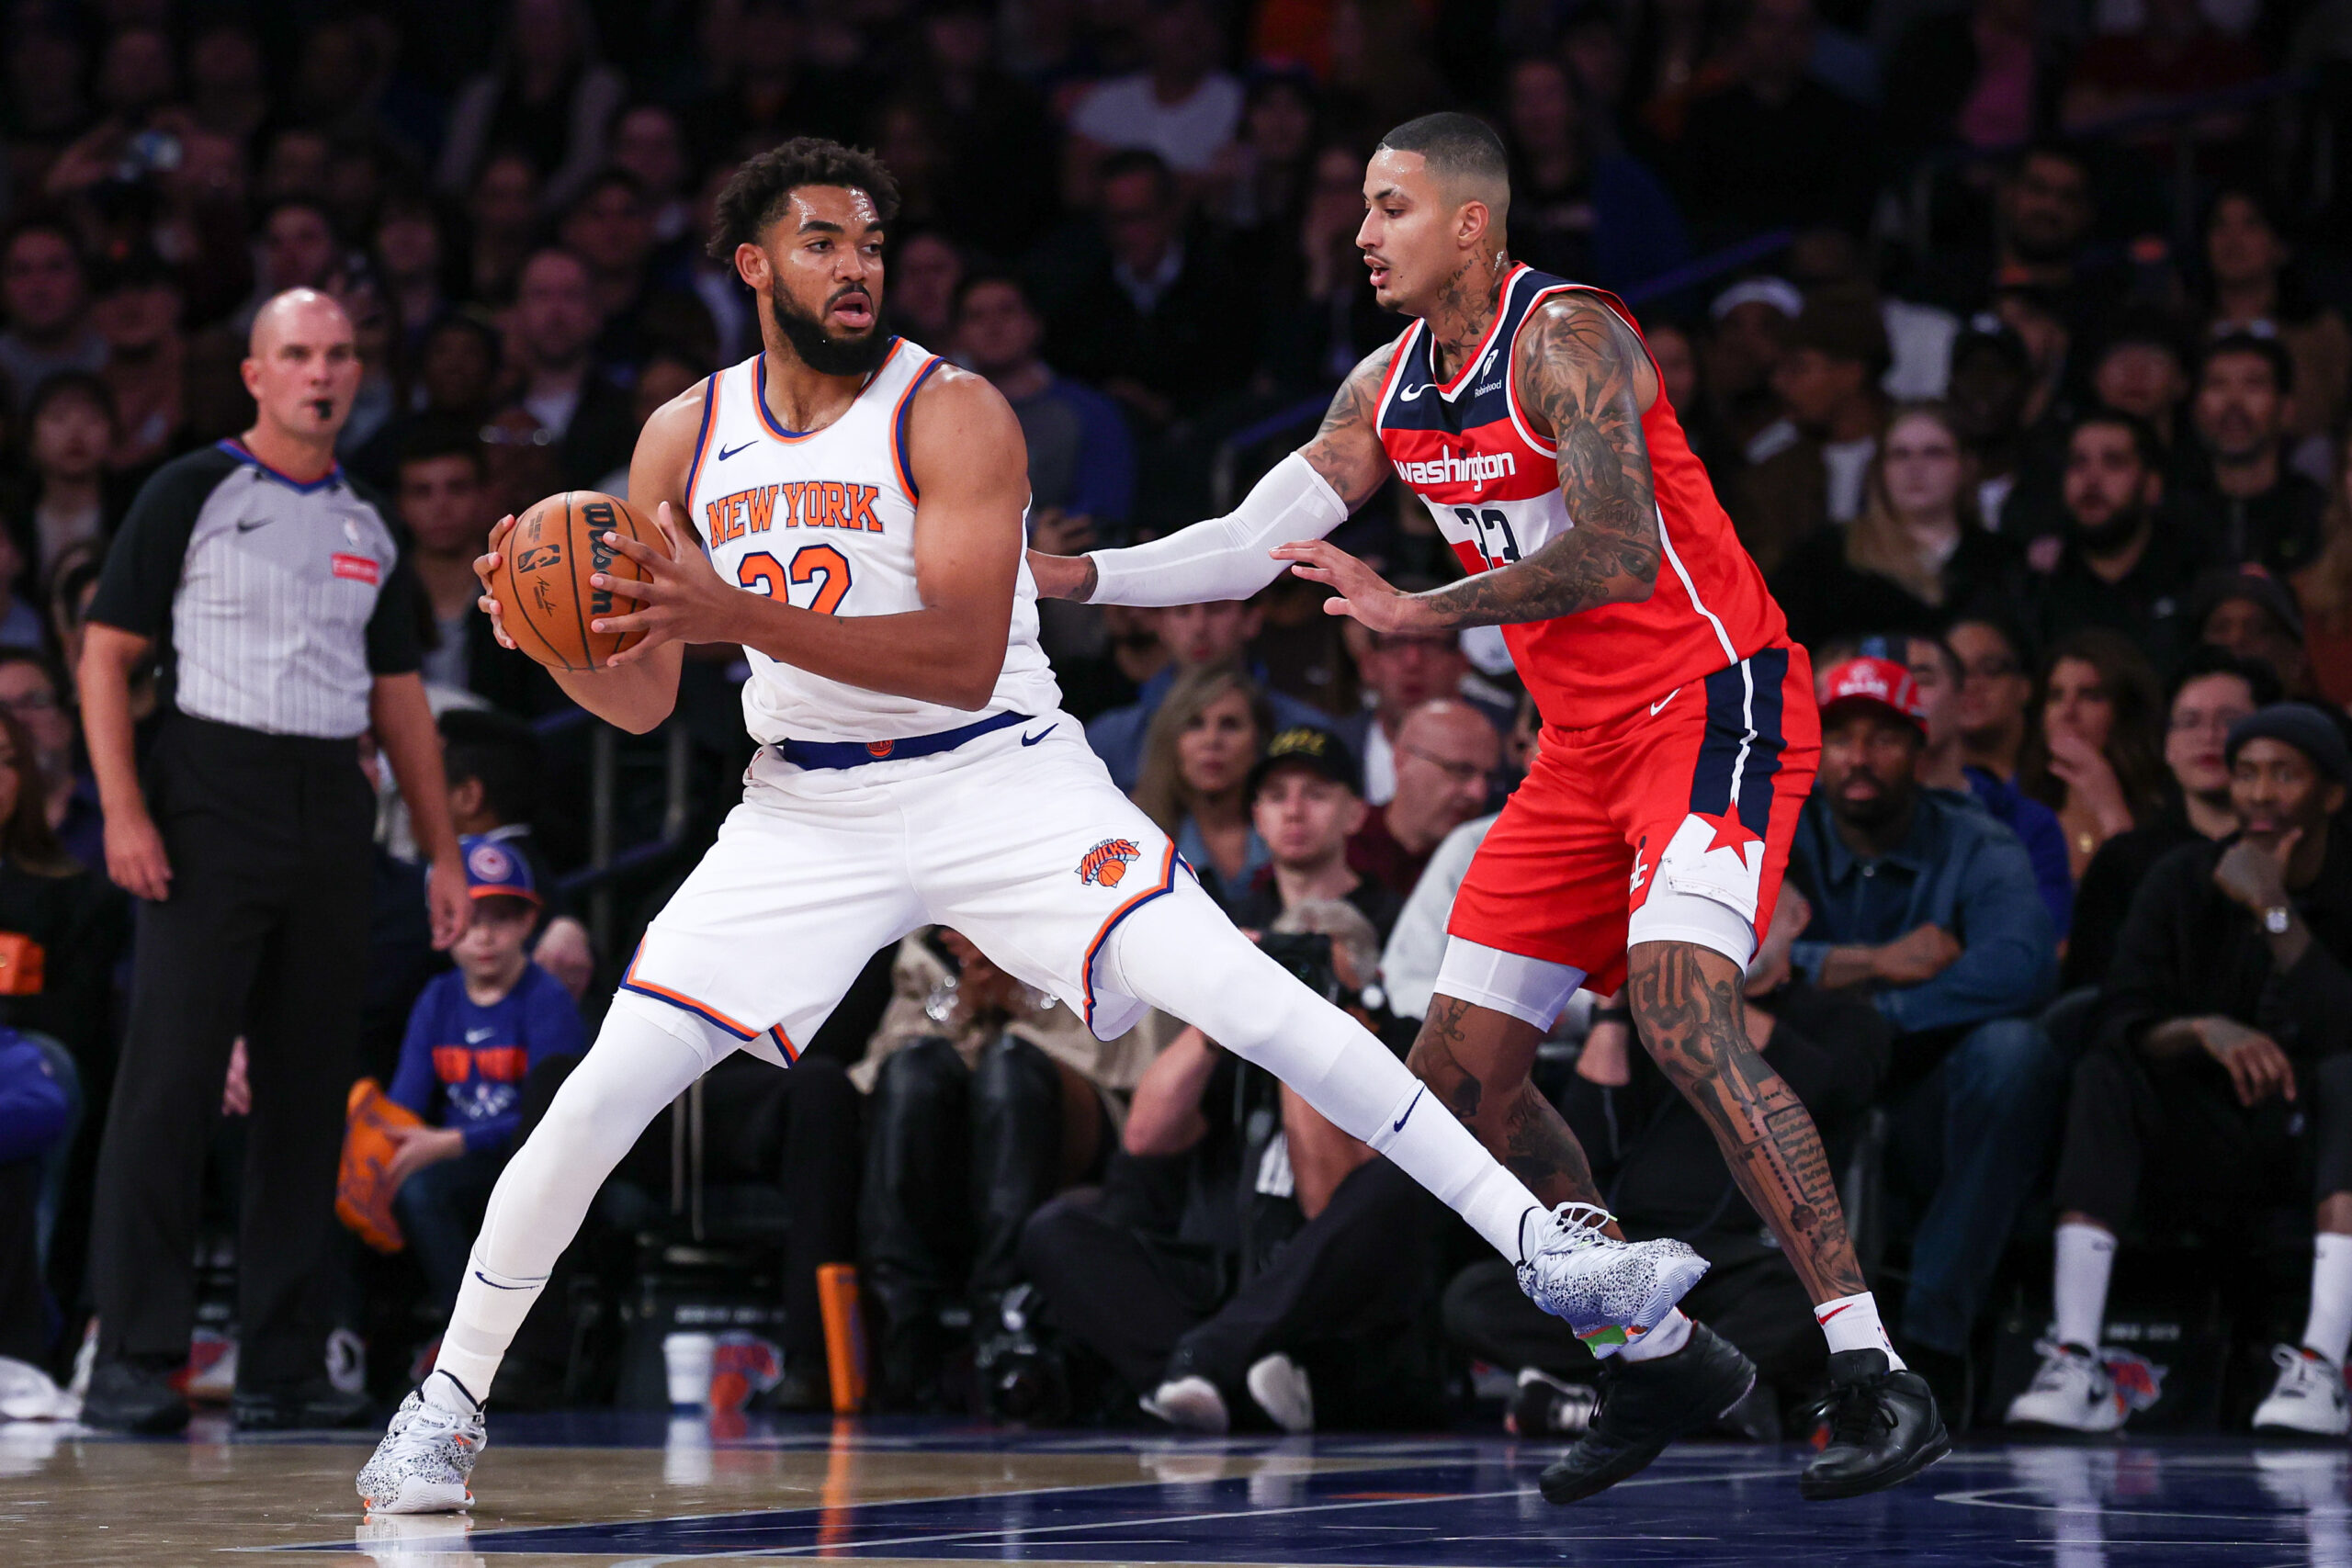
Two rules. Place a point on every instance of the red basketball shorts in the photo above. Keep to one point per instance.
(1672, 823)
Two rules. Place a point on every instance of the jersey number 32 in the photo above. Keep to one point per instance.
(822, 564)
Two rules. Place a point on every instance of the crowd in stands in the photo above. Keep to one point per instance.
(2013, 335)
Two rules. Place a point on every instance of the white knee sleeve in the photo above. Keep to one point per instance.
(1533, 990)
(1673, 915)
(644, 1058)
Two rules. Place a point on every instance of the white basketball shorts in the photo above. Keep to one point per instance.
(1018, 839)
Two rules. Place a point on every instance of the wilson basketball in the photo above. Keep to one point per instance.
(542, 586)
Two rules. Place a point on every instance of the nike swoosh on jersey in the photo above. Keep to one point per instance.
(246, 527)
(1409, 397)
(475, 1036)
(726, 452)
(1033, 739)
(1408, 1110)
(1663, 700)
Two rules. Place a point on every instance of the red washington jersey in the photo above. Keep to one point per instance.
(1468, 450)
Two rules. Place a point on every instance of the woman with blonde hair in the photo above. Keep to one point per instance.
(1194, 781)
(1916, 557)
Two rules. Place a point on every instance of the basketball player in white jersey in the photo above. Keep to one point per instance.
(860, 507)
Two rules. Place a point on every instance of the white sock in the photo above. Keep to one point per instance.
(2078, 1285)
(1851, 1322)
(2329, 1328)
(644, 1058)
(444, 1391)
(1663, 1340)
(1181, 955)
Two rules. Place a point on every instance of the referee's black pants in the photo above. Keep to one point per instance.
(264, 934)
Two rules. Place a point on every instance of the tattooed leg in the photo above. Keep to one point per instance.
(1479, 1060)
(1687, 1006)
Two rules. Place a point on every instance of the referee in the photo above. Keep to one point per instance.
(285, 617)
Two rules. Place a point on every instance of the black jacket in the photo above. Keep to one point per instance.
(2190, 951)
(1826, 597)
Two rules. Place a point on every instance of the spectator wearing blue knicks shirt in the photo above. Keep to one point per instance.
(474, 1033)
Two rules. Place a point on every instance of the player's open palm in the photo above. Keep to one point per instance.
(681, 598)
(2257, 1067)
(1359, 591)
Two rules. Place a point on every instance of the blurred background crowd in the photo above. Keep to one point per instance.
(2013, 334)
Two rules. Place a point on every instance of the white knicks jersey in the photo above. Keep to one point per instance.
(826, 520)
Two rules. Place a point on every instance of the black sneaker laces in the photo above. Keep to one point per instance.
(1856, 1415)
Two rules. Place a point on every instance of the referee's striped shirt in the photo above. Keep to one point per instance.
(274, 603)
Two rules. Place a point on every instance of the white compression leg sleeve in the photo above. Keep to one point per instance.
(1182, 954)
(644, 1058)
(1223, 557)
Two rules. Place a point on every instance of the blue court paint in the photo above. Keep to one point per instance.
(1449, 1503)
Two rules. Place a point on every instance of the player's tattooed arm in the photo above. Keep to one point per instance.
(1346, 449)
(1579, 368)
(1577, 365)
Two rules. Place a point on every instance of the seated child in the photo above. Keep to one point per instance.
(474, 1032)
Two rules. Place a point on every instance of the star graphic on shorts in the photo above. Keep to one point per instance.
(1731, 833)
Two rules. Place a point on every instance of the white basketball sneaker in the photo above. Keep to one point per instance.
(2307, 1398)
(428, 1452)
(1608, 1292)
(1191, 1403)
(2071, 1391)
(1279, 1386)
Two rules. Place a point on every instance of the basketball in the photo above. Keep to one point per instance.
(542, 586)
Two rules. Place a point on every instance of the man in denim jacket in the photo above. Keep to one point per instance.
(1924, 901)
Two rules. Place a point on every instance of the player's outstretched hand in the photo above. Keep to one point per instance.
(486, 563)
(1361, 591)
(682, 600)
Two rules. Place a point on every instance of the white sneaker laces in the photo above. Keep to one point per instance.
(1582, 1224)
(2057, 1362)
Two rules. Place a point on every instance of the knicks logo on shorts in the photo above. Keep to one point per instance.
(1106, 865)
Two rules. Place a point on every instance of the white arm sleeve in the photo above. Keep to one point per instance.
(1223, 557)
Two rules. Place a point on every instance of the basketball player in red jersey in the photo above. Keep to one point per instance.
(1646, 847)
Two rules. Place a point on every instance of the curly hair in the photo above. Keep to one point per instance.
(755, 196)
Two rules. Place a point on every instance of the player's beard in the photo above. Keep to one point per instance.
(822, 352)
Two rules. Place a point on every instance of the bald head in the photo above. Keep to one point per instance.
(303, 311)
(1446, 753)
(302, 368)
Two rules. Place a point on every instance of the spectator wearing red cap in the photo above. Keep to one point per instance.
(1927, 906)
